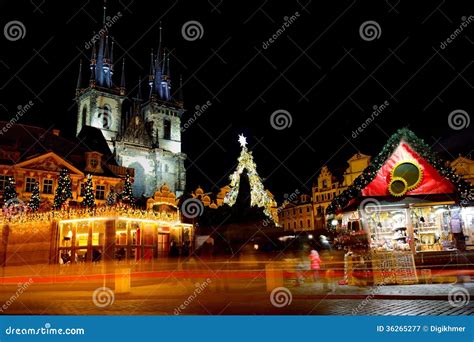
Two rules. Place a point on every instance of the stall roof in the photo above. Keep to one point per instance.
(437, 178)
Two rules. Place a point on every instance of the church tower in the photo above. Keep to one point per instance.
(151, 140)
(162, 112)
(100, 102)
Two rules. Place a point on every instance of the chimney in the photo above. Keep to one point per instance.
(56, 132)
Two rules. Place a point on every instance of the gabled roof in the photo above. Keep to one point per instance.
(50, 162)
(404, 144)
(21, 144)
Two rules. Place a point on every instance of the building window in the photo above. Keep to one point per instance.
(294, 224)
(325, 183)
(84, 116)
(93, 163)
(166, 168)
(30, 184)
(301, 224)
(301, 210)
(100, 192)
(47, 186)
(167, 129)
(307, 209)
(309, 223)
(3, 181)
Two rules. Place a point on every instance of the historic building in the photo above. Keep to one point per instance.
(32, 154)
(329, 186)
(297, 215)
(146, 136)
(464, 167)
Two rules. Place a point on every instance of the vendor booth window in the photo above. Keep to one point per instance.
(388, 228)
(437, 228)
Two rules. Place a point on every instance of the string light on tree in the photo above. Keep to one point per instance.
(34, 202)
(63, 191)
(127, 194)
(9, 192)
(111, 197)
(259, 197)
(89, 200)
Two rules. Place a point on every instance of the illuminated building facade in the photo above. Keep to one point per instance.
(107, 234)
(32, 154)
(464, 167)
(148, 137)
(329, 186)
(297, 215)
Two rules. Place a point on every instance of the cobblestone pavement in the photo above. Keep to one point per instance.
(244, 306)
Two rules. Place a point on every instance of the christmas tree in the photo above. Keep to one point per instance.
(9, 192)
(127, 194)
(34, 202)
(111, 197)
(247, 169)
(89, 200)
(63, 190)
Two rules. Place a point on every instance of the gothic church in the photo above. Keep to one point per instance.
(148, 137)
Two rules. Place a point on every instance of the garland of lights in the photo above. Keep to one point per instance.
(464, 189)
(27, 216)
(259, 197)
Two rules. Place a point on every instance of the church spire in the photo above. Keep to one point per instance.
(180, 91)
(122, 79)
(102, 58)
(79, 77)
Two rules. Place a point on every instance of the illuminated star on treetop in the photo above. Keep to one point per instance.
(242, 140)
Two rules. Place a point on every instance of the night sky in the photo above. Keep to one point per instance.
(320, 70)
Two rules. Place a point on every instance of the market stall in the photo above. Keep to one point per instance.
(407, 202)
